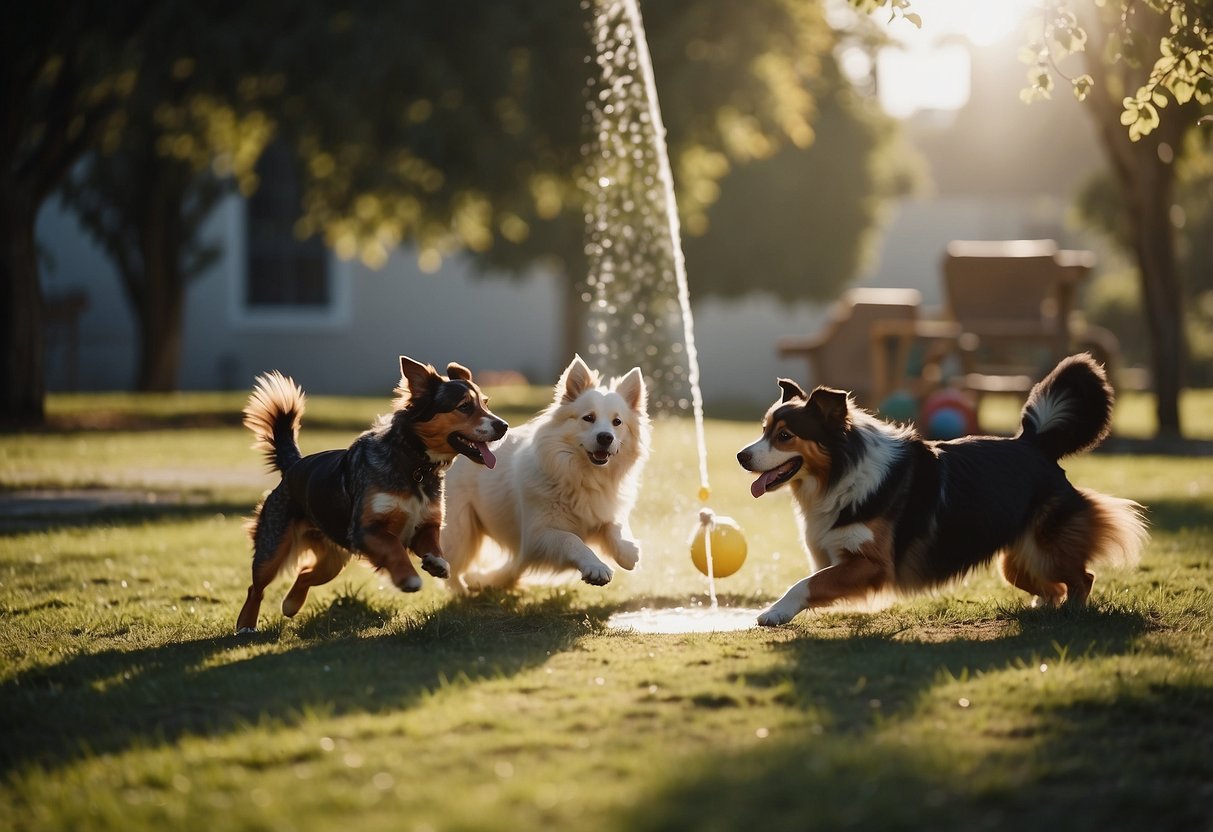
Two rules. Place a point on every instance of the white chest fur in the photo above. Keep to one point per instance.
(409, 508)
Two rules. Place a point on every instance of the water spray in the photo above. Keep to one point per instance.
(719, 538)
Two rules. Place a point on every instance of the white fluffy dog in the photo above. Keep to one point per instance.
(564, 481)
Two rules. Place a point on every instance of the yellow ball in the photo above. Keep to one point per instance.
(728, 547)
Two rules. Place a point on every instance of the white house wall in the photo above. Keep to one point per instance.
(487, 323)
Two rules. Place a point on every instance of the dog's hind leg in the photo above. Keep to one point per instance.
(1017, 564)
(273, 545)
(330, 560)
(505, 576)
(1050, 559)
(461, 537)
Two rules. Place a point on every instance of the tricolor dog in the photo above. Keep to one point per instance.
(380, 498)
(882, 509)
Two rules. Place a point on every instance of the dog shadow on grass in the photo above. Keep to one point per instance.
(353, 656)
(1129, 756)
(862, 675)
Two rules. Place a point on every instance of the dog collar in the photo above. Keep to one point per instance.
(430, 468)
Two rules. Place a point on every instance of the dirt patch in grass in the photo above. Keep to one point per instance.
(974, 631)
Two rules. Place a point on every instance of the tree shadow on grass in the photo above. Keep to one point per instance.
(174, 510)
(1077, 774)
(350, 657)
(1135, 757)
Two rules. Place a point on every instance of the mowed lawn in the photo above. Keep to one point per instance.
(126, 701)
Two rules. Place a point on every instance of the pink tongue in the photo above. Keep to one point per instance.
(489, 459)
(759, 486)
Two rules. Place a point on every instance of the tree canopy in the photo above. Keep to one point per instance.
(457, 127)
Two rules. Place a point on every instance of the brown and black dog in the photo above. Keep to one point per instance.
(379, 498)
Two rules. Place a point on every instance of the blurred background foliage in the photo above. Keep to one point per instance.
(1114, 299)
(462, 128)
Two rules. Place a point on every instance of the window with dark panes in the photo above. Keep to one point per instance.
(283, 271)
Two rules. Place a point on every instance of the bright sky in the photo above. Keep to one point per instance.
(932, 70)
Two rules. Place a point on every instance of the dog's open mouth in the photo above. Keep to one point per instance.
(770, 480)
(473, 449)
(599, 457)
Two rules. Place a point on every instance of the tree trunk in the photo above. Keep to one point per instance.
(160, 305)
(22, 385)
(160, 330)
(1147, 183)
(1146, 176)
(1154, 245)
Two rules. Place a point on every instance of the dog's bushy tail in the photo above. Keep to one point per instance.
(1070, 410)
(273, 414)
(1118, 530)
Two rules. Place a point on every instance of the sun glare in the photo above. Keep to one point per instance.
(929, 69)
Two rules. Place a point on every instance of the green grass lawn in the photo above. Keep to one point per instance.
(127, 703)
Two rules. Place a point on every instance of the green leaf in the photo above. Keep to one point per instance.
(1182, 90)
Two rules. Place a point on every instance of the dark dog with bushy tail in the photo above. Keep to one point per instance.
(883, 509)
(379, 498)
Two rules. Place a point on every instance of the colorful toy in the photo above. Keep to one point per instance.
(947, 414)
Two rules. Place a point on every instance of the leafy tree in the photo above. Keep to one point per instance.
(189, 132)
(1144, 112)
(1116, 300)
(1148, 67)
(456, 126)
(146, 201)
(802, 223)
(65, 73)
(773, 154)
(120, 79)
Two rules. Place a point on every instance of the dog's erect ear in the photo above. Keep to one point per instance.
(458, 371)
(632, 388)
(831, 404)
(575, 380)
(791, 390)
(415, 375)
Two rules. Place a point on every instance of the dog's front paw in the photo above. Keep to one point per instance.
(774, 617)
(436, 566)
(627, 554)
(597, 575)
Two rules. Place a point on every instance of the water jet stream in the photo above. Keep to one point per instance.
(619, 190)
